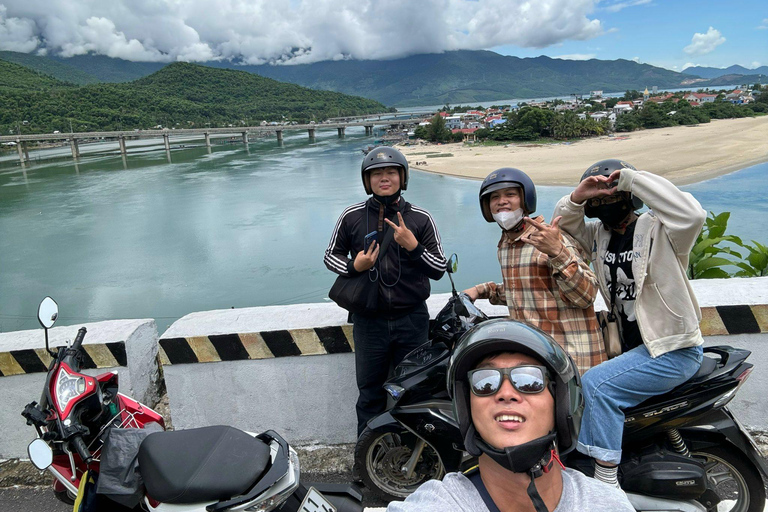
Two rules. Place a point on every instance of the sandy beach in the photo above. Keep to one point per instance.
(683, 154)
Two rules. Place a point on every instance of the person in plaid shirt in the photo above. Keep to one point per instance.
(546, 283)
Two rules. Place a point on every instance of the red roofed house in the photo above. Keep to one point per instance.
(697, 98)
(469, 134)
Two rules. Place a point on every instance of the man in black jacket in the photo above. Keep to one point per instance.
(401, 321)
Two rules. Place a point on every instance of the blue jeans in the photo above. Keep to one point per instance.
(623, 382)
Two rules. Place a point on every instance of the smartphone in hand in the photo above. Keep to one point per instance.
(369, 239)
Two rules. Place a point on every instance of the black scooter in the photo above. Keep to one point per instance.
(682, 451)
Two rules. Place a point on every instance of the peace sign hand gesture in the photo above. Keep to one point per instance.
(403, 236)
(545, 237)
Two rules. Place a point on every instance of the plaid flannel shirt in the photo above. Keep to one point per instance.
(555, 294)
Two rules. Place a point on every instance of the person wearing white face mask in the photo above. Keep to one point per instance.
(545, 281)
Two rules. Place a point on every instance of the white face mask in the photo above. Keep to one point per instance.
(508, 220)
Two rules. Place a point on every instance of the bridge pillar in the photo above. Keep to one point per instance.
(341, 132)
(369, 129)
(26, 150)
(21, 152)
(207, 139)
(74, 147)
(167, 141)
(279, 135)
(121, 141)
(311, 134)
(245, 137)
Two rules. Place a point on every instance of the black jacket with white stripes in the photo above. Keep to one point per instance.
(403, 275)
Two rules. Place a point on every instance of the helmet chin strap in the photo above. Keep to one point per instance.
(534, 457)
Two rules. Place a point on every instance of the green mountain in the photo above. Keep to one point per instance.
(706, 72)
(14, 77)
(107, 69)
(470, 77)
(59, 70)
(180, 95)
(459, 77)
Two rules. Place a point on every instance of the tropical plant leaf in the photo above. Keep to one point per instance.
(713, 273)
(712, 262)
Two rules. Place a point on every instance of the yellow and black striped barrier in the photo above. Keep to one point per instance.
(97, 355)
(715, 321)
(257, 345)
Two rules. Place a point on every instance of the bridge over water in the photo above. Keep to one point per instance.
(368, 122)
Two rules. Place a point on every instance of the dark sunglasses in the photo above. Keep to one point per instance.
(597, 201)
(528, 379)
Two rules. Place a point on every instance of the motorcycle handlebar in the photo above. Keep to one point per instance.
(81, 449)
(79, 338)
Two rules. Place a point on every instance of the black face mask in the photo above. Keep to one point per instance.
(614, 214)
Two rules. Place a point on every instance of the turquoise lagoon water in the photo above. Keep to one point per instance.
(238, 227)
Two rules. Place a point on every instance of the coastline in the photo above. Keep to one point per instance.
(682, 154)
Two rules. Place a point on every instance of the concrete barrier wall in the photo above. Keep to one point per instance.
(291, 368)
(128, 347)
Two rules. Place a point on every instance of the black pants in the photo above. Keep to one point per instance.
(381, 343)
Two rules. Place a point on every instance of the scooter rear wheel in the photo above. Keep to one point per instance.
(736, 481)
(380, 455)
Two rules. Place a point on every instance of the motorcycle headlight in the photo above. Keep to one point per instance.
(68, 387)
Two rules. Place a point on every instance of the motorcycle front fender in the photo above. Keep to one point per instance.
(383, 420)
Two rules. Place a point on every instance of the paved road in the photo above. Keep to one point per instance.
(37, 499)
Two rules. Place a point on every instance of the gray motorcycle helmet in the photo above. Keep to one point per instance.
(507, 177)
(606, 168)
(505, 335)
(384, 156)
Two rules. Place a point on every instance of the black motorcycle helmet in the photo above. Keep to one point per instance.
(504, 178)
(384, 156)
(505, 335)
(605, 168)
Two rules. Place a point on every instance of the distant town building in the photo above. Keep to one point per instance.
(595, 94)
(697, 98)
(453, 122)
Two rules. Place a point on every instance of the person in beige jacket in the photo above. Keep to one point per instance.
(640, 261)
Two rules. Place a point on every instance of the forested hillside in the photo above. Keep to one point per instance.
(180, 95)
(60, 70)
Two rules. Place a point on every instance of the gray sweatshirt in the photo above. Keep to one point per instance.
(455, 493)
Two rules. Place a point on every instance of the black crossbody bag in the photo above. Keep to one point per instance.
(360, 294)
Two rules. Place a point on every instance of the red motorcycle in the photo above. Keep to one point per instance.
(207, 469)
(76, 411)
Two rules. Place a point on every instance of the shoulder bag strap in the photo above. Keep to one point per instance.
(474, 477)
(390, 234)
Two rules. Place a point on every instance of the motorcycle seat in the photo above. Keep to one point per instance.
(202, 464)
(708, 365)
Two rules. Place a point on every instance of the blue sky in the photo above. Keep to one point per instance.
(657, 32)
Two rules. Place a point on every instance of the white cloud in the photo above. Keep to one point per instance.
(702, 44)
(764, 24)
(17, 35)
(576, 56)
(623, 5)
(689, 65)
(755, 64)
(288, 31)
(636, 59)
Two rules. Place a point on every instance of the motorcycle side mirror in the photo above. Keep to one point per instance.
(40, 454)
(453, 264)
(48, 312)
